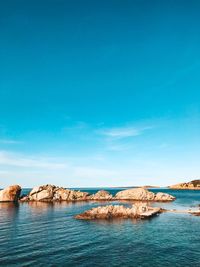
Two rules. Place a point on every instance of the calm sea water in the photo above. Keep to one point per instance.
(42, 234)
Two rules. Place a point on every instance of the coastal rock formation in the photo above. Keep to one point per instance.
(118, 211)
(54, 193)
(11, 193)
(163, 197)
(142, 194)
(135, 194)
(194, 185)
(101, 195)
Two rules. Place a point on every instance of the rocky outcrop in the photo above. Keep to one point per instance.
(135, 194)
(101, 195)
(119, 211)
(193, 185)
(10, 194)
(54, 193)
(142, 194)
(163, 197)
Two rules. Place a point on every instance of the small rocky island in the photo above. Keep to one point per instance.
(143, 194)
(193, 185)
(136, 211)
(54, 193)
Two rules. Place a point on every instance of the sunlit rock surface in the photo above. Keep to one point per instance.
(101, 195)
(193, 185)
(11, 193)
(142, 194)
(119, 211)
(54, 193)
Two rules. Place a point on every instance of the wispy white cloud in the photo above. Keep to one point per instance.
(18, 160)
(123, 132)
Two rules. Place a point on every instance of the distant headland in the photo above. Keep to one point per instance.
(192, 185)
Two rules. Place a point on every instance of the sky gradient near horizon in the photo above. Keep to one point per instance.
(99, 93)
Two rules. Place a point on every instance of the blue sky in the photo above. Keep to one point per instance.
(99, 93)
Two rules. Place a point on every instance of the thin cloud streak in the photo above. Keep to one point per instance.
(17, 160)
(123, 132)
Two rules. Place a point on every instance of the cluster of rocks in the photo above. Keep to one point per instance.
(119, 211)
(193, 185)
(55, 193)
(101, 195)
(143, 194)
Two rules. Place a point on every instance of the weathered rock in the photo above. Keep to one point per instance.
(163, 197)
(69, 195)
(135, 194)
(118, 211)
(101, 195)
(54, 193)
(193, 185)
(11, 193)
(195, 213)
(142, 194)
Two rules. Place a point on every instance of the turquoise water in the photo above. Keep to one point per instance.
(42, 234)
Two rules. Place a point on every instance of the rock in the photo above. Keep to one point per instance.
(11, 193)
(135, 194)
(163, 197)
(54, 193)
(142, 194)
(195, 213)
(101, 195)
(193, 185)
(69, 195)
(118, 211)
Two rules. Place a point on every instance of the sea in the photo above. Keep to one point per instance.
(47, 234)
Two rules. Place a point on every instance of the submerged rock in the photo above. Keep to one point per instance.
(118, 211)
(11, 193)
(101, 195)
(54, 193)
(142, 194)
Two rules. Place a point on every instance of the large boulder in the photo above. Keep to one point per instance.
(42, 193)
(10, 194)
(135, 194)
(70, 195)
(163, 197)
(101, 195)
(142, 194)
(118, 211)
(54, 193)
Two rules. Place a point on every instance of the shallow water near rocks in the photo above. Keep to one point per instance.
(46, 234)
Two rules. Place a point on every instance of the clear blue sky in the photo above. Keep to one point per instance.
(99, 93)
